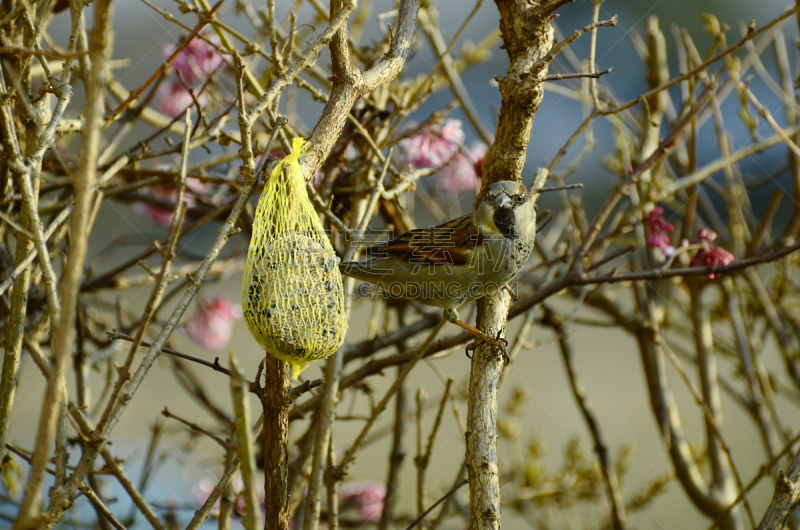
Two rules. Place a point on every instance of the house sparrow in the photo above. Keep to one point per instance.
(459, 261)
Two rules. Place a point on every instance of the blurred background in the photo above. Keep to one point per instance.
(608, 360)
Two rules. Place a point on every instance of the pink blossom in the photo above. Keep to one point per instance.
(659, 231)
(159, 216)
(196, 187)
(173, 98)
(660, 240)
(317, 179)
(366, 497)
(202, 491)
(433, 146)
(710, 255)
(197, 60)
(463, 171)
(212, 324)
(162, 216)
(706, 236)
(205, 487)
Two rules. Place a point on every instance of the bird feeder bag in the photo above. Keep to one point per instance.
(292, 293)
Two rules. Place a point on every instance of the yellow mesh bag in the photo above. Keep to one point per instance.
(292, 294)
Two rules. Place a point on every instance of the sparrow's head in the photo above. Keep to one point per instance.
(507, 209)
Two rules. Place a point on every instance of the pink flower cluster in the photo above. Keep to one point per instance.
(710, 255)
(195, 62)
(205, 487)
(464, 171)
(173, 98)
(365, 497)
(211, 326)
(198, 59)
(433, 146)
(162, 216)
(659, 233)
(436, 145)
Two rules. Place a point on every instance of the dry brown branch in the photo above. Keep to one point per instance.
(785, 498)
(752, 33)
(433, 506)
(101, 507)
(64, 332)
(161, 69)
(349, 85)
(100, 434)
(592, 75)
(350, 454)
(619, 518)
(194, 427)
(446, 62)
(396, 458)
(275, 402)
(247, 459)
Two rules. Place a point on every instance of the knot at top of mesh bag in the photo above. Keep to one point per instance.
(292, 294)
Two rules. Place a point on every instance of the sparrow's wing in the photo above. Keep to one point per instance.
(451, 243)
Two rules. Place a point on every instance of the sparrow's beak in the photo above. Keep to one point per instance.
(503, 201)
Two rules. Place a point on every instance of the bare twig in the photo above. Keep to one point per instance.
(396, 458)
(351, 452)
(207, 17)
(253, 387)
(64, 333)
(433, 506)
(752, 33)
(618, 516)
(244, 438)
(225, 233)
(555, 50)
(195, 427)
(592, 75)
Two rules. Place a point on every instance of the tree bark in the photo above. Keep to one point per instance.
(527, 37)
(275, 402)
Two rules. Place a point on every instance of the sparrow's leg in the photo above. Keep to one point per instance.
(499, 343)
(507, 288)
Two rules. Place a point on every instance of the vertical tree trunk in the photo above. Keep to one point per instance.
(481, 435)
(275, 402)
(527, 37)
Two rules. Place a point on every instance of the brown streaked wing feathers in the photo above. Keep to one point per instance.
(451, 243)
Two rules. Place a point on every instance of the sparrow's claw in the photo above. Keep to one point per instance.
(471, 348)
(499, 338)
(500, 343)
(506, 358)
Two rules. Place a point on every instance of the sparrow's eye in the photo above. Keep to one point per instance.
(519, 198)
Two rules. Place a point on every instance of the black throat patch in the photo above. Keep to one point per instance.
(504, 221)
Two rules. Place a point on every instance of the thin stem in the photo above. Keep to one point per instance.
(244, 439)
(64, 332)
